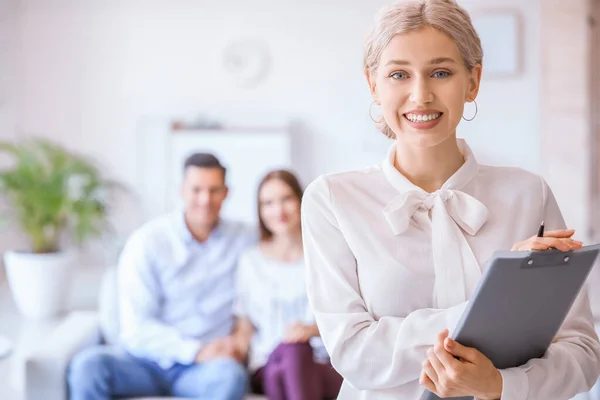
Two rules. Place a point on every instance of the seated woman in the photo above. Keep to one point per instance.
(286, 356)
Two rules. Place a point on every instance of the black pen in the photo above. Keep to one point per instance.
(541, 230)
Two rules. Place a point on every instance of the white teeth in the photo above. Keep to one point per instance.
(423, 118)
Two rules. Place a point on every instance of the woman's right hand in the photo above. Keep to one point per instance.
(559, 239)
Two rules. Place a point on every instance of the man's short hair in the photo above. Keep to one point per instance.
(204, 160)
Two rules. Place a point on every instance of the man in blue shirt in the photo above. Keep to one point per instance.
(176, 292)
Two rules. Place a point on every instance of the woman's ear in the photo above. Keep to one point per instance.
(371, 79)
(474, 82)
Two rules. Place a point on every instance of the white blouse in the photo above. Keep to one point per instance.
(272, 294)
(389, 266)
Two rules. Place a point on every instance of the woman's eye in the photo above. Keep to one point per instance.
(398, 75)
(441, 74)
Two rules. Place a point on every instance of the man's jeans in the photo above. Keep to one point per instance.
(104, 373)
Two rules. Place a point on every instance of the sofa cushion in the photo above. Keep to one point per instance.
(108, 306)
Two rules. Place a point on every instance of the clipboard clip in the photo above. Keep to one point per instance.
(549, 258)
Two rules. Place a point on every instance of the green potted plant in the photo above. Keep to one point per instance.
(57, 199)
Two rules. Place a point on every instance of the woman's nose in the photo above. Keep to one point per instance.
(278, 211)
(421, 92)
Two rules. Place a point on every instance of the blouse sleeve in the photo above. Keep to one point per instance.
(571, 364)
(369, 354)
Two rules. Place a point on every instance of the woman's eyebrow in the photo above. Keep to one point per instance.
(439, 60)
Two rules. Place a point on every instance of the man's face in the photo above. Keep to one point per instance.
(203, 191)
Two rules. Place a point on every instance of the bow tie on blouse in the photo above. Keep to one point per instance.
(452, 212)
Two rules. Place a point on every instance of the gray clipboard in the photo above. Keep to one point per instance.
(520, 303)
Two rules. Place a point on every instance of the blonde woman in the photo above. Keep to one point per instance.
(394, 252)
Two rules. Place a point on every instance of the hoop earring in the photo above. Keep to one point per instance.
(476, 110)
(371, 114)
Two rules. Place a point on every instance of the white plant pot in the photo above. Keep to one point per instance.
(39, 282)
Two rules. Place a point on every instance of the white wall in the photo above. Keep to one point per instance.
(8, 67)
(507, 128)
(8, 82)
(90, 71)
(8, 54)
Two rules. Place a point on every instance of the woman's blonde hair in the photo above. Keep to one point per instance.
(410, 15)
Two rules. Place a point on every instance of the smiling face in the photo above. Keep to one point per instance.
(421, 85)
(203, 192)
(279, 207)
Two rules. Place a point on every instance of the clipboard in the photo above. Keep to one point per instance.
(520, 303)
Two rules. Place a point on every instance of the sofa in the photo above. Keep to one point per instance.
(45, 370)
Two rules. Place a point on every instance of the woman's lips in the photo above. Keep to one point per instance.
(423, 120)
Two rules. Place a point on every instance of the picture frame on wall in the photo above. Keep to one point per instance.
(501, 36)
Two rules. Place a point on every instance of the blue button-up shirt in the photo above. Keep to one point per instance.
(176, 294)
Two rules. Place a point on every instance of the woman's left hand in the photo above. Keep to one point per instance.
(473, 374)
(299, 333)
